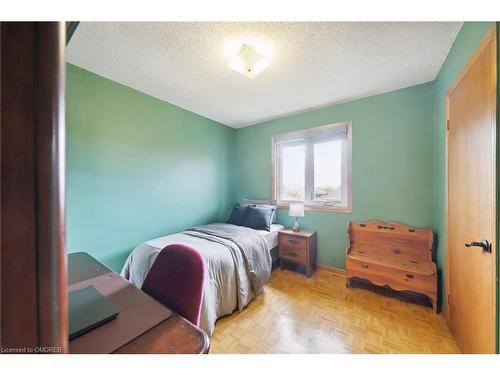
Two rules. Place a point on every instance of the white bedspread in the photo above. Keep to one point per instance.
(271, 237)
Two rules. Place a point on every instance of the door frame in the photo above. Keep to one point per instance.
(33, 270)
(491, 34)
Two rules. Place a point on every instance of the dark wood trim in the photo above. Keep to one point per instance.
(33, 254)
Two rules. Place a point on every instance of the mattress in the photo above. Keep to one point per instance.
(271, 237)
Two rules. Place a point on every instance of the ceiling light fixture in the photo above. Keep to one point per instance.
(248, 62)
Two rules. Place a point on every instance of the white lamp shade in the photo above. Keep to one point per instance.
(296, 210)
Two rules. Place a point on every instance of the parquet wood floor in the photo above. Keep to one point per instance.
(296, 314)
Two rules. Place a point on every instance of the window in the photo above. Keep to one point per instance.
(313, 166)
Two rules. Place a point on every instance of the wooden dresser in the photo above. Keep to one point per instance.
(298, 247)
(393, 255)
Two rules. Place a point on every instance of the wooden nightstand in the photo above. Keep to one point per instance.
(298, 247)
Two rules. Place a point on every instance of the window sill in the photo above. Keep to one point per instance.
(309, 207)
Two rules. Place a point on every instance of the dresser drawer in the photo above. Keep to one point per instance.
(294, 242)
(293, 253)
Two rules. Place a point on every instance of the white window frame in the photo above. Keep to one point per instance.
(309, 137)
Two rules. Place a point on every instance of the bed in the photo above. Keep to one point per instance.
(238, 262)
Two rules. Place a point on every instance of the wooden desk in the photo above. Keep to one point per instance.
(174, 335)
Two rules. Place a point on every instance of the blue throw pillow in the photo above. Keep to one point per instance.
(238, 215)
(259, 218)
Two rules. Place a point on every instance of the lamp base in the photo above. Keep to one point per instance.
(296, 226)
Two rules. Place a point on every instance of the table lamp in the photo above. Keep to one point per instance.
(296, 210)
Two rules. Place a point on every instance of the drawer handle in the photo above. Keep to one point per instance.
(292, 254)
(364, 266)
(385, 227)
(293, 241)
(409, 276)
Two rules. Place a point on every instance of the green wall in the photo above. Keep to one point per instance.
(138, 167)
(465, 44)
(392, 165)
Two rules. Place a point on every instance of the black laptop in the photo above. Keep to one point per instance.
(88, 309)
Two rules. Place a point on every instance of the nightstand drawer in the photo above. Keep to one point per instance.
(298, 248)
(294, 242)
(295, 253)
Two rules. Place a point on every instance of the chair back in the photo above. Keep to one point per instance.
(176, 280)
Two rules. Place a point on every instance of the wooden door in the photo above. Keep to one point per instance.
(471, 207)
(33, 281)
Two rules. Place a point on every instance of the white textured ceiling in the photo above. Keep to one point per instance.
(312, 64)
